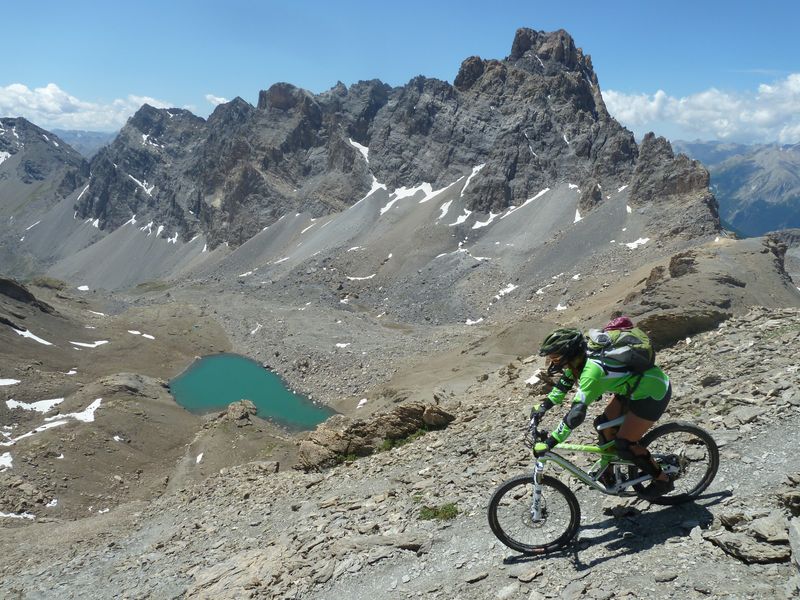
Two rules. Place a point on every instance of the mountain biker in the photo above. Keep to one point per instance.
(645, 396)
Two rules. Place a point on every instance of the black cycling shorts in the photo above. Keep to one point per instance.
(650, 408)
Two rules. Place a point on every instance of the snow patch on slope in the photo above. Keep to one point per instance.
(513, 209)
(363, 149)
(475, 171)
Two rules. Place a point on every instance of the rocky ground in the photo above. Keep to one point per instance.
(339, 353)
(355, 530)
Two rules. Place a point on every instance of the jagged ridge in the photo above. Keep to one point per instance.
(532, 119)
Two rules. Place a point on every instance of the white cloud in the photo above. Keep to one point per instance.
(51, 107)
(215, 100)
(770, 114)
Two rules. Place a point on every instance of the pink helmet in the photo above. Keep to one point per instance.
(619, 323)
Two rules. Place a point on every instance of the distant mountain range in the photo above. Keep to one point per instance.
(503, 134)
(757, 187)
(87, 143)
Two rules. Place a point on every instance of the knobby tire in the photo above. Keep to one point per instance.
(711, 470)
(552, 488)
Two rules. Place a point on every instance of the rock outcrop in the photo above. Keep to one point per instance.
(340, 437)
(240, 413)
(16, 291)
(699, 288)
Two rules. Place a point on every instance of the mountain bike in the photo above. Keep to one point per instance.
(537, 513)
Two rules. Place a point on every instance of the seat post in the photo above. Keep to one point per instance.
(612, 423)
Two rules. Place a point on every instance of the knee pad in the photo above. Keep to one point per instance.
(644, 461)
(576, 415)
(601, 435)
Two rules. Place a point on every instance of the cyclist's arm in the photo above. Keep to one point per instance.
(589, 390)
(563, 385)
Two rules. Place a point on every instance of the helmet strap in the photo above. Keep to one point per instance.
(554, 369)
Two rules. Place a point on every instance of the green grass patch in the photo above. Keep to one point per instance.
(343, 458)
(388, 444)
(784, 330)
(443, 512)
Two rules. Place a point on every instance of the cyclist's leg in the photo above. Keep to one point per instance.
(643, 414)
(628, 436)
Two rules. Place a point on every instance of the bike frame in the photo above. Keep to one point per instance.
(607, 456)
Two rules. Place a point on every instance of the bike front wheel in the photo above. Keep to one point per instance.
(688, 453)
(511, 515)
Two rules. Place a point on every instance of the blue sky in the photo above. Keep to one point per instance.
(685, 69)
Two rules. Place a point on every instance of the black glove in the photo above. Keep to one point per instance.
(538, 410)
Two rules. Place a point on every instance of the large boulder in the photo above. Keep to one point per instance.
(748, 550)
(340, 437)
(240, 412)
(753, 538)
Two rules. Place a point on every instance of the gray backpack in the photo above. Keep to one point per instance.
(621, 349)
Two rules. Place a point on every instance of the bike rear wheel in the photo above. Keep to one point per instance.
(510, 515)
(687, 451)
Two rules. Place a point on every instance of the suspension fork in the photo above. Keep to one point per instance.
(536, 504)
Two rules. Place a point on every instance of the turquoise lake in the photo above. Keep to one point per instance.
(214, 382)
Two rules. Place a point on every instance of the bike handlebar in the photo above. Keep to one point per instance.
(533, 435)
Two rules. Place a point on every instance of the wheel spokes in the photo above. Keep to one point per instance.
(515, 516)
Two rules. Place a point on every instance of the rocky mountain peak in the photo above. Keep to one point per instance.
(38, 170)
(340, 89)
(17, 132)
(533, 48)
(146, 118)
(154, 121)
(281, 96)
(676, 189)
(42, 154)
(471, 70)
(537, 52)
(21, 125)
(654, 148)
(355, 108)
(673, 175)
(228, 113)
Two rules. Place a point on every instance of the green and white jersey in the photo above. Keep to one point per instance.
(596, 380)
